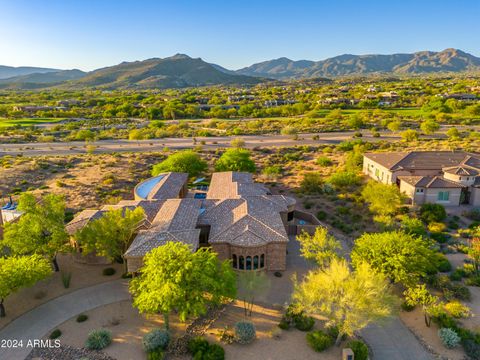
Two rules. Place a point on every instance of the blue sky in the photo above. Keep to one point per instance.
(88, 34)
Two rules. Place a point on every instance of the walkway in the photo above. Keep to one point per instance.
(36, 323)
(394, 341)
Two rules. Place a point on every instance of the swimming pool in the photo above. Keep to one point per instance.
(143, 189)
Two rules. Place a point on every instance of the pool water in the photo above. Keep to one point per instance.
(200, 196)
(144, 188)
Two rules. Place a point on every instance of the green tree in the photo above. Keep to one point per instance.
(453, 133)
(383, 199)
(110, 235)
(409, 135)
(402, 257)
(348, 299)
(419, 295)
(474, 253)
(344, 179)
(175, 278)
(394, 126)
(237, 143)
(20, 271)
(312, 183)
(251, 285)
(321, 247)
(40, 229)
(186, 161)
(429, 126)
(235, 160)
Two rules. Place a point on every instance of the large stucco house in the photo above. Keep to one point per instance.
(240, 219)
(450, 178)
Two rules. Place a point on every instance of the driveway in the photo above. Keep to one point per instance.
(38, 322)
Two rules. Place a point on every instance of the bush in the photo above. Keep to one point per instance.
(324, 161)
(457, 309)
(407, 307)
(432, 213)
(155, 339)
(108, 271)
(472, 349)
(82, 318)
(441, 238)
(321, 215)
(197, 344)
(66, 277)
(312, 183)
(245, 332)
(449, 337)
(444, 320)
(55, 334)
(442, 263)
(304, 323)
(98, 339)
(436, 227)
(342, 179)
(215, 352)
(456, 275)
(156, 355)
(359, 348)
(284, 324)
(319, 341)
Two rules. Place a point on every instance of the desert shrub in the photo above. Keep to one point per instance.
(108, 271)
(155, 339)
(245, 332)
(227, 336)
(457, 309)
(443, 320)
(432, 213)
(98, 339)
(343, 179)
(55, 334)
(82, 318)
(458, 291)
(359, 348)
(324, 161)
(453, 225)
(215, 352)
(473, 281)
(197, 344)
(472, 349)
(442, 263)
(284, 324)
(321, 215)
(319, 341)
(436, 227)
(441, 238)
(449, 337)
(304, 323)
(312, 183)
(457, 275)
(156, 355)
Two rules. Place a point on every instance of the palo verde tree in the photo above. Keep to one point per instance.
(474, 253)
(350, 300)
(173, 278)
(235, 159)
(383, 199)
(321, 247)
(186, 161)
(419, 295)
(252, 285)
(21, 271)
(40, 229)
(110, 235)
(402, 257)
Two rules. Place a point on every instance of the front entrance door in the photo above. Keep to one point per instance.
(465, 196)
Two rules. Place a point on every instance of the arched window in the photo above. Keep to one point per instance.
(248, 263)
(234, 261)
(255, 262)
(241, 263)
(262, 261)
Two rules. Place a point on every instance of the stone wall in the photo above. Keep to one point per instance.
(134, 264)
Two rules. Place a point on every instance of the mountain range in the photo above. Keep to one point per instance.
(180, 71)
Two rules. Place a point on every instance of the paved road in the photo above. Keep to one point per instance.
(393, 341)
(41, 320)
(109, 146)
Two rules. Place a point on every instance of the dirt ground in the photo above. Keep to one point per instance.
(128, 328)
(52, 287)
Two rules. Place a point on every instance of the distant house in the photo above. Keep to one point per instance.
(33, 108)
(237, 217)
(278, 102)
(450, 178)
(460, 96)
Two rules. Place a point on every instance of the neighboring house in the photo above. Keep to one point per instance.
(450, 178)
(238, 218)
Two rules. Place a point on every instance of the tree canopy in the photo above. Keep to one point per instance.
(21, 271)
(235, 159)
(321, 247)
(110, 235)
(348, 299)
(383, 199)
(175, 278)
(186, 161)
(40, 229)
(402, 257)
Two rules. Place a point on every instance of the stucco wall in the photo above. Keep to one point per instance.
(134, 264)
(431, 196)
(475, 197)
(384, 176)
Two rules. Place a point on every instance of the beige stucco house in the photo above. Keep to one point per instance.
(237, 217)
(450, 178)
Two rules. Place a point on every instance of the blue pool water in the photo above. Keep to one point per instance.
(146, 187)
(200, 196)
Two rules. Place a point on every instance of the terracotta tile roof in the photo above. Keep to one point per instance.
(230, 185)
(81, 219)
(428, 182)
(461, 170)
(167, 186)
(426, 160)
